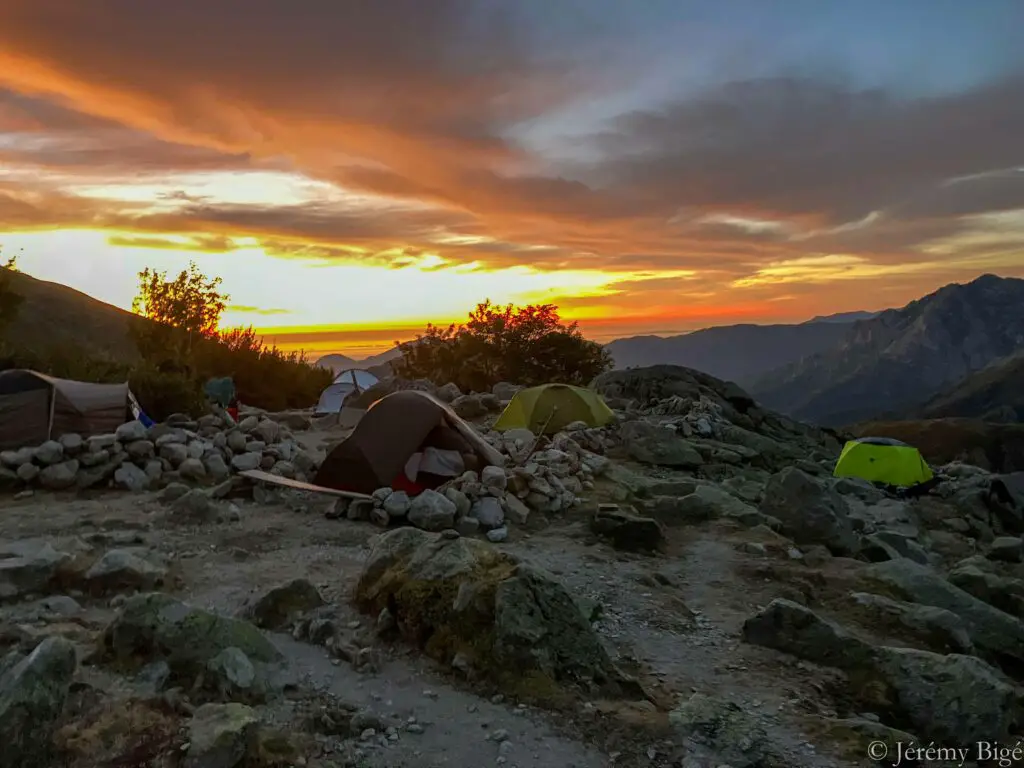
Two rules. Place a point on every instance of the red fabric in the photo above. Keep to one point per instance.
(403, 483)
(233, 413)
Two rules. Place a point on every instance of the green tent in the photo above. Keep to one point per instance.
(883, 460)
(551, 407)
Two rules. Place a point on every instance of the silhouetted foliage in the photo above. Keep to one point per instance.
(10, 299)
(526, 345)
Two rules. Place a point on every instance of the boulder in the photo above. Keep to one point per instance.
(397, 504)
(194, 506)
(278, 607)
(125, 569)
(1008, 549)
(811, 512)
(432, 511)
(140, 450)
(232, 676)
(268, 431)
(50, 452)
(728, 731)
(661, 446)
(59, 477)
(27, 567)
(488, 513)
(131, 431)
(455, 596)
(156, 626)
(243, 462)
(32, 696)
(494, 478)
(192, 469)
(221, 736)
(628, 531)
(993, 632)
(449, 392)
(131, 478)
(940, 630)
(953, 699)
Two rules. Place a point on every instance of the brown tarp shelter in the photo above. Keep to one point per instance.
(35, 408)
(393, 429)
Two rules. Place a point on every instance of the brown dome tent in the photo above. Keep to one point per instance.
(35, 408)
(394, 429)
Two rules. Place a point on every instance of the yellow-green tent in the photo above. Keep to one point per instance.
(550, 407)
(883, 460)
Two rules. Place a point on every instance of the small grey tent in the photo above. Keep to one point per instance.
(344, 384)
(35, 408)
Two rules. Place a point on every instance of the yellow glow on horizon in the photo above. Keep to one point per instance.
(292, 293)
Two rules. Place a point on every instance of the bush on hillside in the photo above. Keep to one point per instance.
(526, 345)
(180, 350)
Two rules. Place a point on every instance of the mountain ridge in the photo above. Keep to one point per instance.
(895, 362)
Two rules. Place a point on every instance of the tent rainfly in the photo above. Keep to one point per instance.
(883, 460)
(551, 407)
(35, 408)
(344, 384)
(396, 430)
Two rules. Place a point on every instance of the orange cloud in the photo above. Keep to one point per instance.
(401, 134)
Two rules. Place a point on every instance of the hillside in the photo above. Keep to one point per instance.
(995, 393)
(338, 363)
(55, 315)
(894, 363)
(739, 353)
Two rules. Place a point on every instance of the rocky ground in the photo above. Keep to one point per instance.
(686, 588)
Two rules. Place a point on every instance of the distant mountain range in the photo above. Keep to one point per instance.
(995, 393)
(339, 363)
(739, 353)
(926, 357)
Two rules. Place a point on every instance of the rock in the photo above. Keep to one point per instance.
(246, 461)
(517, 512)
(192, 469)
(731, 734)
(14, 459)
(157, 625)
(949, 698)
(460, 500)
(27, 567)
(706, 502)
(650, 444)
(1007, 549)
(232, 675)
(469, 407)
(494, 478)
(268, 431)
(497, 535)
(50, 452)
(992, 631)
(237, 441)
(221, 736)
(397, 504)
(216, 467)
(278, 607)
(941, 630)
(505, 391)
(140, 450)
(96, 443)
(627, 531)
(59, 477)
(154, 470)
(453, 595)
(28, 473)
(431, 511)
(194, 506)
(125, 569)
(175, 453)
(32, 696)
(249, 424)
(173, 492)
(488, 512)
(811, 512)
(131, 431)
(449, 392)
(131, 478)
(467, 526)
(887, 545)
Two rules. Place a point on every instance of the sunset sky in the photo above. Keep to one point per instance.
(355, 168)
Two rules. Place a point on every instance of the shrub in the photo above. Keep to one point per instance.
(526, 345)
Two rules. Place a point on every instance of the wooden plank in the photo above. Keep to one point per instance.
(298, 485)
